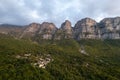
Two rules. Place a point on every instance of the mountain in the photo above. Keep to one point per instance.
(30, 30)
(65, 31)
(87, 28)
(45, 52)
(9, 29)
(47, 30)
(43, 31)
(110, 28)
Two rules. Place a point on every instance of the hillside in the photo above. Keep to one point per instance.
(68, 59)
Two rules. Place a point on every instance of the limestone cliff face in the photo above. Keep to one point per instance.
(65, 31)
(43, 31)
(110, 28)
(33, 28)
(66, 27)
(30, 30)
(47, 30)
(85, 28)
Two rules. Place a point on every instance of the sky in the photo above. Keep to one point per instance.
(23, 12)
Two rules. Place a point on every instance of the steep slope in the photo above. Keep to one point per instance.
(47, 30)
(42, 31)
(110, 28)
(30, 30)
(65, 31)
(85, 28)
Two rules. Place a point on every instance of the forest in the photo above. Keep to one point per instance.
(86, 59)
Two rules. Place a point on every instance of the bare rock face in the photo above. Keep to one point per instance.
(47, 30)
(65, 31)
(67, 28)
(30, 30)
(110, 28)
(85, 28)
(33, 27)
(43, 31)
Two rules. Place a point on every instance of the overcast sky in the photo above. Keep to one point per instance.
(23, 12)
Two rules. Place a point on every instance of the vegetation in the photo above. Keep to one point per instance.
(102, 61)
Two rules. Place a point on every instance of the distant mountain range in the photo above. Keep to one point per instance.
(87, 28)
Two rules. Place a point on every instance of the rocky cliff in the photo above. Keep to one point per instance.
(47, 30)
(43, 31)
(30, 30)
(87, 28)
(110, 28)
(65, 31)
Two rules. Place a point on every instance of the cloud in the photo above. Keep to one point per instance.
(23, 12)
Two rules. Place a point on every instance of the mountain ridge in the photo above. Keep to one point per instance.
(86, 28)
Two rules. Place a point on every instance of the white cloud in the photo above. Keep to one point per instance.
(27, 11)
(34, 15)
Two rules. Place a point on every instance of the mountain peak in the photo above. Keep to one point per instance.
(48, 25)
(66, 25)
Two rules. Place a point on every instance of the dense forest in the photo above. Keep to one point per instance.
(72, 60)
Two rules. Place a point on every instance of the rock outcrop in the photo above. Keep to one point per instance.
(65, 31)
(30, 30)
(47, 30)
(85, 28)
(110, 28)
(39, 61)
(43, 31)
